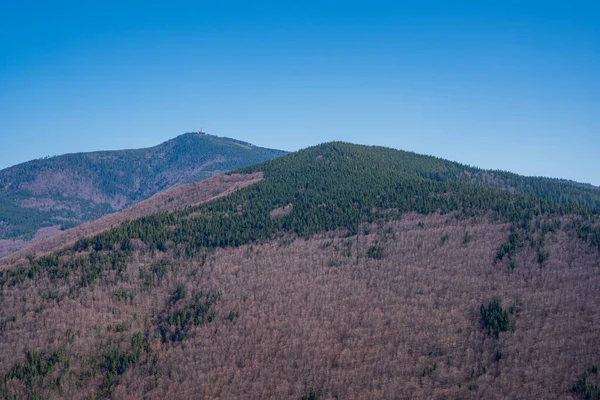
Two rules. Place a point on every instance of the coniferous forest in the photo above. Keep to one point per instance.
(339, 186)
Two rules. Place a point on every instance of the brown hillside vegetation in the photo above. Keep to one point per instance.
(169, 200)
(393, 312)
(8, 247)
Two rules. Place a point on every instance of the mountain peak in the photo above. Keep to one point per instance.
(66, 190)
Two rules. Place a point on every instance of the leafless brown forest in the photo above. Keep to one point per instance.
(319, 314)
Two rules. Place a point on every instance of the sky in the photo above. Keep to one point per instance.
(511, 85)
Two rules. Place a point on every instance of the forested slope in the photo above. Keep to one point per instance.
(347, 272)
(167, 200)
(339, 186)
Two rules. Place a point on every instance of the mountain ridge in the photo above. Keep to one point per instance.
(63, 191)
(340, 186)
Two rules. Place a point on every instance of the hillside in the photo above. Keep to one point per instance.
(181, 196)
(347, 272)
(339, 186)
(60, 192)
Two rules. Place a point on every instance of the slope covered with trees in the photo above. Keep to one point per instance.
(168, 200)
(69, 189)
(339, 186)
(347, 272)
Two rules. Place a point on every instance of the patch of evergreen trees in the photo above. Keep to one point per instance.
(174, 325)
(494, 318)
(586, 387)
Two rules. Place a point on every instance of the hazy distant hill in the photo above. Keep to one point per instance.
(66, 190)
(339, 271)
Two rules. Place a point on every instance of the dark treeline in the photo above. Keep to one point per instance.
(339, 186)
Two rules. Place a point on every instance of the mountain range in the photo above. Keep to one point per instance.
(42, 197)
(336, 272)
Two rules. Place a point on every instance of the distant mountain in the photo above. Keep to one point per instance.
(64, 191)
(338, 271)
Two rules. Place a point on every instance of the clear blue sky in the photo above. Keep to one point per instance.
(511, 85)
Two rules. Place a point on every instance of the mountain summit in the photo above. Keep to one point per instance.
(40, 197)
